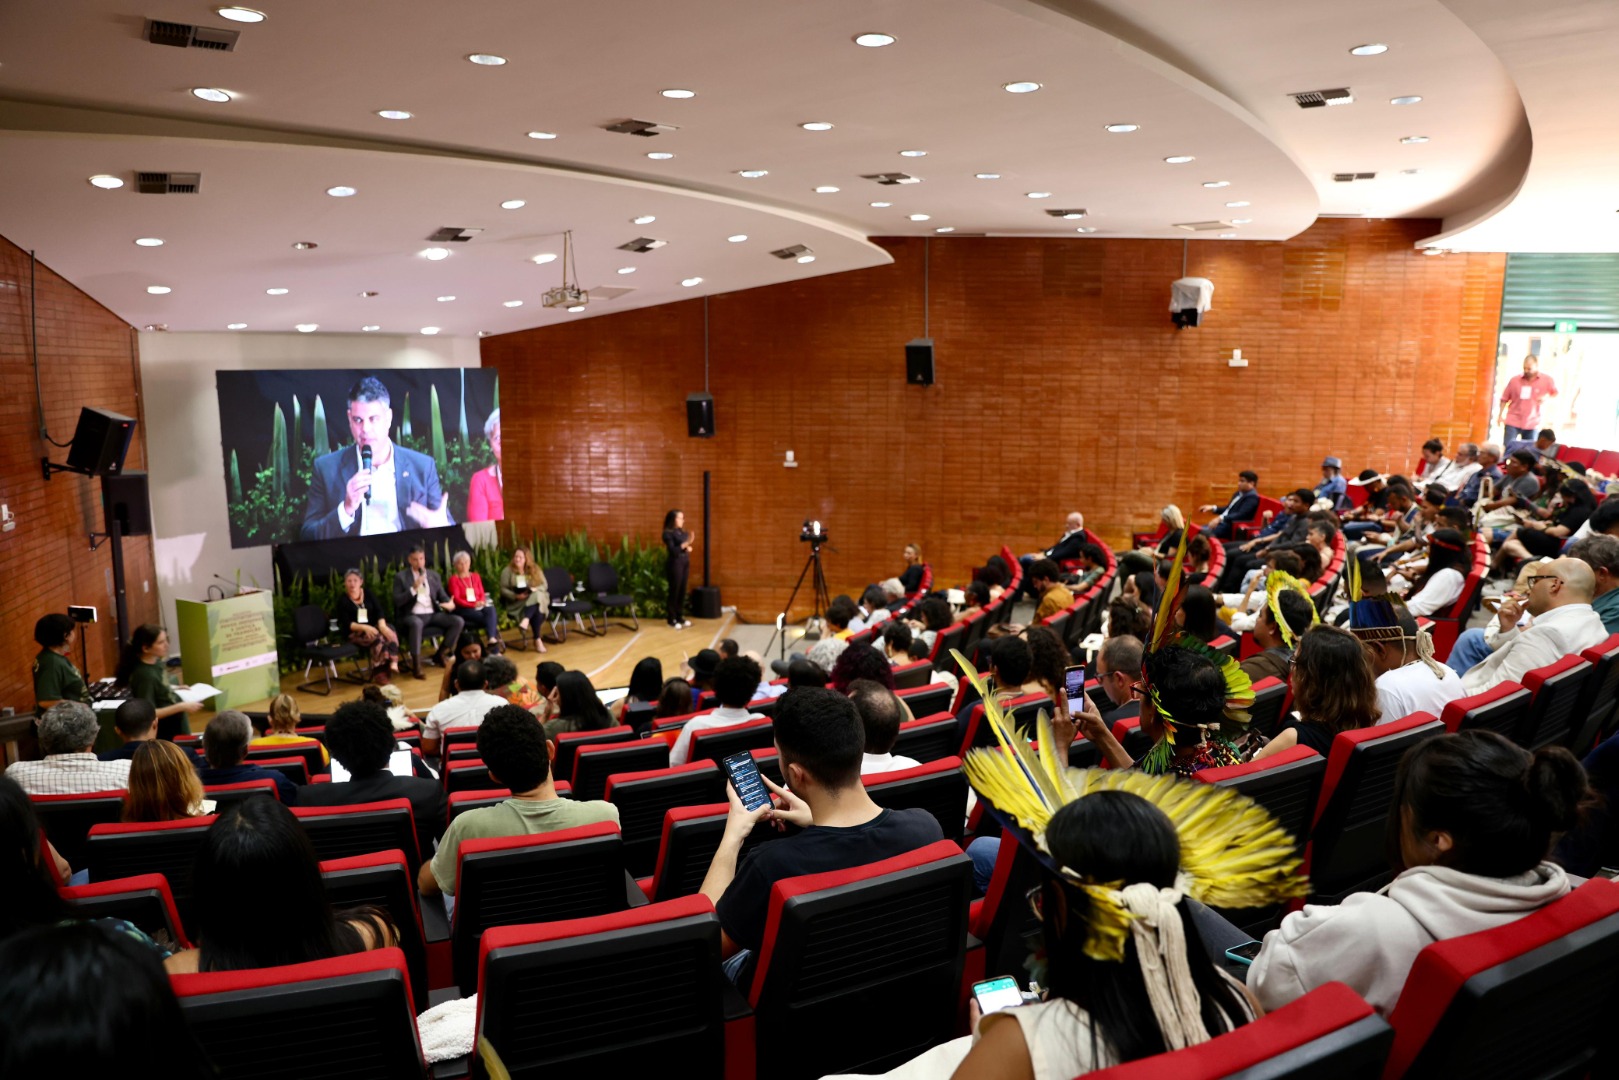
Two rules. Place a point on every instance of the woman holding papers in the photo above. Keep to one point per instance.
(141, 668)
(523, 595)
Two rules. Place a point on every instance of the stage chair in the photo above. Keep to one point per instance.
(560, 585)
(338, 832)
(383, 879)
(939, 787)
(309, 630)
(601, 581)
(143, 900)
(643, 798)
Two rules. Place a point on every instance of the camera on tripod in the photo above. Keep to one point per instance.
(814, 533)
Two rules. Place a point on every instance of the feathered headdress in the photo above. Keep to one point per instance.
(1277, 583)
(1378, 620)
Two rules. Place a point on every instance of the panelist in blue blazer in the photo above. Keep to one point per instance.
(372, 486)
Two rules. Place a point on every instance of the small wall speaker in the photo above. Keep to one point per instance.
(125, 499)
(100, 442)
(700, 415)
(919, 362)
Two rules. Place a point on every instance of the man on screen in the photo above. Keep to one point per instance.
(372, 486)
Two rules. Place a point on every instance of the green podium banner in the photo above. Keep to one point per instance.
(230, 644)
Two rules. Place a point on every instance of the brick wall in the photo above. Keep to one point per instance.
(1061, 385)
(86, 357)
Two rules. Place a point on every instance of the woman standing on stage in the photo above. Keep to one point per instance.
(678, 541)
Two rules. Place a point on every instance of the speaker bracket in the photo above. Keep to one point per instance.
(49, 468)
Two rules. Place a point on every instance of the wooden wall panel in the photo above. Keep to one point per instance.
(1061, 385)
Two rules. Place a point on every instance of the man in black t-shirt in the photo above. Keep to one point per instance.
(821, 743)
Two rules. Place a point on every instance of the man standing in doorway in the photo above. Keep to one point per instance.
(1520, 401)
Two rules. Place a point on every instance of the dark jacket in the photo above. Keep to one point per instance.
(427, 800)
(1244, 509)
(415, 481)
(285, 789)
(1068, 547)
(405, 580)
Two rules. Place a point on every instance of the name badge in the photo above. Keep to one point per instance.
(1525, 393)
(522, 581)
(421, 589)
(359, 616)
(472, 597)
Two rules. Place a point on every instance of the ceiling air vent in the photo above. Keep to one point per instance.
(450, 234)
(1067, 215)
(609, 292)
(168, 183)
(186, 36)
(1350, 177)
(644, 128)
(892, 178)
(1203, 226)
(642, 244)
(1315, 99)
(791, 252)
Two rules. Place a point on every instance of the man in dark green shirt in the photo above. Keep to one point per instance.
(55, 677)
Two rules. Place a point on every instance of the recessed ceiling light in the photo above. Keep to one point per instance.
(1411, 140)
(816, 125)
(1409, 172)
(484, 333)
(304, 245)
(882, 205)
(236, 326)
(1405, 99)
(435, 254)
(543, 258)
(874, 41)
(1216, 183)
(366, 294)
(307, 327)
(1020, 87)
(341, 191)
(678, 95)
(644, 219)
(513, 204)
(445, 299)
(945, 228)
(240, 14)
(486, 60)
(913, 153)
(806, 258)
(1368, 50)
(660, 155)
(511, 303)
(738, 238)
(149, 241)
(275, 292)
(1179, 159)
(210, 93)
(752, 174)
(429, 330)
(1228, 236)
(577, 308)
(394, 114)
(1242, 221)
(153, 327)
(689, 282)
(159, 290)
(987, 176)
(1038, 194)
(826, 189)
(919, 217)
(542, 134)
(1086, 229)
(1239, 204)
(105, 182)
(370, 328)
(626, 269)
(1123, 129)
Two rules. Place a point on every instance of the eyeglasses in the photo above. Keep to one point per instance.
(1530, 581)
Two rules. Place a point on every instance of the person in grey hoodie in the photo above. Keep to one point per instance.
(1475, 816)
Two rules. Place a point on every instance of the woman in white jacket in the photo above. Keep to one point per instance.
(1475, 816)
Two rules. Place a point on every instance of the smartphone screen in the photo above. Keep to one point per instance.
(750, 786)
(1245, 953)
(1075, 676)
(996, 994)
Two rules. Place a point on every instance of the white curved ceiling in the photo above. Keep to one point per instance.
(81, 92)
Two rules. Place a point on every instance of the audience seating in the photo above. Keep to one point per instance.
(569, 741)
(944, 643)
(68, 819)
(143, 900)
(927, 738)
(349, 1016)
(717, 744)
(1594, 713)
(1557, 689)
(873, 954)
(1503, 708)
(567, 874)
(293, 768)
(119, 849)
(768, 762)
(930, 699)
(691, 835)
(1265, 714)
(1531, 998)
(1247, 530)
(912, 675)
(643, 798)
(1328, 1034)
(361, 829)
(637, 992)
(462, 801)
(1447, 625)
(309, 750)
(466, 774)
(224, 795)
(1001, 921)
(1020, 712)
(384, 879)
(939, 787)
(1348, 837)
(592, 765)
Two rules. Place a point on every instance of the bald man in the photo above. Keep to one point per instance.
(1067, 547)
(1563, 623)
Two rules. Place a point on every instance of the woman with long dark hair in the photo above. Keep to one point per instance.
(1199, 615)
(1441, 583)
(646, 683)
(577, 708)
(678, 542)
(1543, 537)
(256, 858)
(141, 668)
(1334, 690)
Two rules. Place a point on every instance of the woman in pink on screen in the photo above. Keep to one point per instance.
(485, 498)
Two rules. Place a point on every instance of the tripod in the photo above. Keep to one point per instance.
(820, 599)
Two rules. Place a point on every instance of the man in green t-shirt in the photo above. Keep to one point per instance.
(55, 677)
(513, 745)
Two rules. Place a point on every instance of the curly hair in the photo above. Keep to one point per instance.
(512, 743)
(1333, 682)
(860, 660)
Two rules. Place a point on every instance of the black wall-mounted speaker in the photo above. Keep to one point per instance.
(100, 442)
(700, 415)
(919, 362)
(126, 499)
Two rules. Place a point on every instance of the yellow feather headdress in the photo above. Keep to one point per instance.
(1279, 582)
(1234, 853)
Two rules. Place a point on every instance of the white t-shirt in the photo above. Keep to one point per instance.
(1441, 591)
(1415, 688)
(719, 718)
(871, 764)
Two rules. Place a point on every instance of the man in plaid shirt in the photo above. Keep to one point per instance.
(67, 733)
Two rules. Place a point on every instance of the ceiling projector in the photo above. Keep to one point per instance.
(564, 296)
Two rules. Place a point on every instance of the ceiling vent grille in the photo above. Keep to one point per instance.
(1351, 177)
(644, 128)
(451, 234)
(642, 244)
(791, 252)
(168, 183)
(609, 292)
(1203, 226)
(186, 36)
(891, 178)
(1068, 215)
(1315, 99)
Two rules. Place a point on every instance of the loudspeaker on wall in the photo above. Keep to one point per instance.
(919, 362)
(700, 415)
(125, 499)
(100, 442)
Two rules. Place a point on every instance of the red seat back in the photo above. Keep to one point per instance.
(1503, 709)
(1601, 693)
(338, 832)
(143, 900)
(927, 738)
(939, 787)
(644, 797)
(384, 879)
(592, 765)
(568, 742)
(1557, 689)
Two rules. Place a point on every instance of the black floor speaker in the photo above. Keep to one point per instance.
(919, 362)
(705, 602)
(125, 498)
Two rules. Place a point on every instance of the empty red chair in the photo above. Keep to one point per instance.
(143, 900)
(1503, 709)
(927, 738)
(644, 797)
(224, 795)
(1001, 921)
(126, 849)
(340, 831)
(592, 765)
(569, 741)
(1557, 688)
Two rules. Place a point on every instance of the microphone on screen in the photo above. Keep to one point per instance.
(365, 463)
